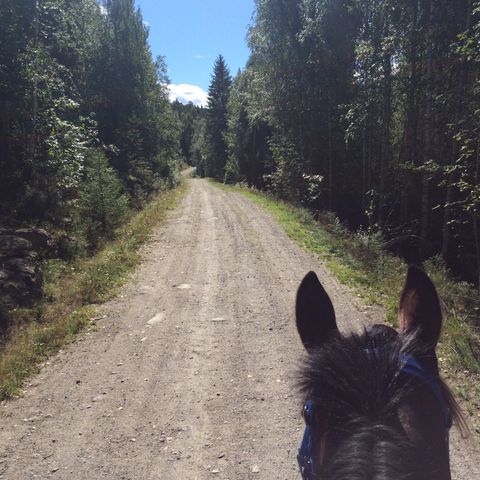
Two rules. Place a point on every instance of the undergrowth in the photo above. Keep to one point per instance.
(71, 290)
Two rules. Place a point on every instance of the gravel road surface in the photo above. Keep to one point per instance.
(190, 372)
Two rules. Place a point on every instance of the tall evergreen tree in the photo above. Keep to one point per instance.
(218, 95)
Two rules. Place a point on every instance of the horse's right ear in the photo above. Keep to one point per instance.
(420, 308)
(314, 312)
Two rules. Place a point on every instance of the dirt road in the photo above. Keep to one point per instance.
(190, 374)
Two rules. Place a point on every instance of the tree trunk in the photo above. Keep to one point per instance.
(33, 144)
(330, 161)
(476, 234)
(4, 132)
(411, 127)
(364, 168)
(410, 136)
(427, 153)
(447, 217)
(254, 159)
(385, 160)
(476, 226)
(452, 177)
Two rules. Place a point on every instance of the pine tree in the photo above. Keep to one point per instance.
(102, 202)
(186, 116)
(218, 95)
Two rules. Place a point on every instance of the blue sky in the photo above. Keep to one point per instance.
(191, 34)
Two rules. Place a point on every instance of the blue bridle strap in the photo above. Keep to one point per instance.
(411, 366)
(305, 455)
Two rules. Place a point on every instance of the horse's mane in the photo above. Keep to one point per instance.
(356, 381)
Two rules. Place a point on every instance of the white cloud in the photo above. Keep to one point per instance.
(186, 93)
(201, 57)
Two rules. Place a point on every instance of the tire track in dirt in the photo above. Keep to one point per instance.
(208, 390)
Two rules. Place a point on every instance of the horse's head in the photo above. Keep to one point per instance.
(375, 407)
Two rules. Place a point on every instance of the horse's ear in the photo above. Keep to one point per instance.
(420, 308)
(314, 312)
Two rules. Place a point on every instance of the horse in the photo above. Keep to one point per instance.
(375, 407)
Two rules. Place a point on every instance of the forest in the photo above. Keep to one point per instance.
(86, 127)
(366, 108)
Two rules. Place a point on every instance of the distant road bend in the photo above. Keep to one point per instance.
(191, 372)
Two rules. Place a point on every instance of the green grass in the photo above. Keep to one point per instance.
(71, 291)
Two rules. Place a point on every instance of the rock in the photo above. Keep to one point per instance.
(157, 319)
(12, 245)
(20, 275)
(33, 239)
(40, 239)
(20, 281)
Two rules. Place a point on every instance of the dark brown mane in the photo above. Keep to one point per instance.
(358, 380)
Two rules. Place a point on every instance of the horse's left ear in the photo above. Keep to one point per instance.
(314, 312)
(420, 307)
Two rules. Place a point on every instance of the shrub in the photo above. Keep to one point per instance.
(232, 172)
(102, 202)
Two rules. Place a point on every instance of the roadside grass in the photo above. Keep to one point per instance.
(72, 289)
(361, 261)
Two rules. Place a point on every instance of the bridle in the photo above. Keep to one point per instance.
(410, 366)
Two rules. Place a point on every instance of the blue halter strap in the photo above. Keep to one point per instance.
(410, 366)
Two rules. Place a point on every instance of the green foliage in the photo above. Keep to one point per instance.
(198, 148)
(102, 203)
(232, 172)
(287, 179)
(249, 152)
(132, 106)
(237, 134)
(74, 76)
(368, 108)
(187, 115)
(43, 135)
